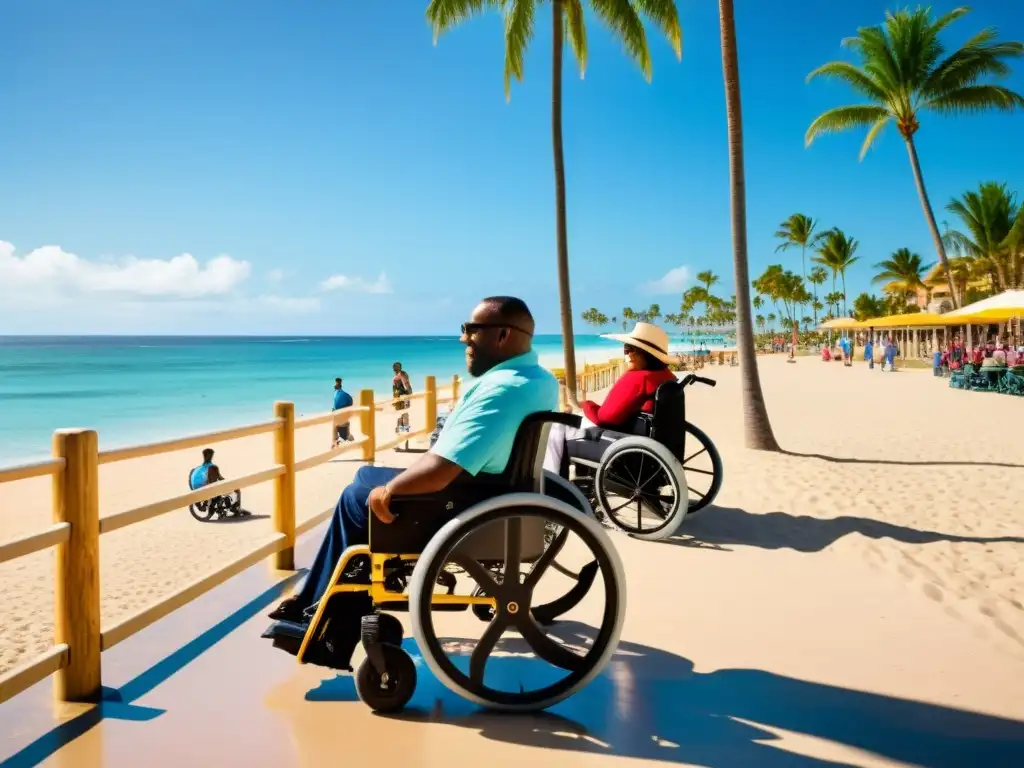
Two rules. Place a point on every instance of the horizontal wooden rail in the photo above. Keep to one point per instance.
(181, 443)
(14, 681)
(34, 542)
(340, 415)
(156, 611)
(320, 458)
(403, 438)
(308, 525)
(36, 469)
(145, 512)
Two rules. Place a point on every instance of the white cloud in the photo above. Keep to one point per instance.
(357, 284)
(275, 276)
(54, 270)
(673, 281)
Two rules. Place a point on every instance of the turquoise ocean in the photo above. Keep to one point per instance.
(141, 389)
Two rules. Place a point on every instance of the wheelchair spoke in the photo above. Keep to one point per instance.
(623, 504)
(484, 648)
(546, 648)
(694, 456)
(483, 577)
(700, 471)
(513, 548)
(694, 490)
(544, 561)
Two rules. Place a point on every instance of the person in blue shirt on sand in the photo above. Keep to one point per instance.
(342, 399)
(477, 437)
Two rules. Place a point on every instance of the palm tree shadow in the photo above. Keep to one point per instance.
(650, 704)
(717, 526)
(897, 462)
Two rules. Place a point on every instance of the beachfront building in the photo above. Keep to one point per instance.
(935, 298)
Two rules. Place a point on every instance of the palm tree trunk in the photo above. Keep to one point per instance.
(929, 216)
(842, 276)
(564, 298)
(759, 433)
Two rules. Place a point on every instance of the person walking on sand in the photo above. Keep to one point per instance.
(342, 399)
(869, 352)
(400, 386)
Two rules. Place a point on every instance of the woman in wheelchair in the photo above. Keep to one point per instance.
(646, 350)
(395, 533)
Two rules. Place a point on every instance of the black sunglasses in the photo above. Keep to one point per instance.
(468, 329)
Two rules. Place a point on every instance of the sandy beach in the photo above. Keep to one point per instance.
(891, 525)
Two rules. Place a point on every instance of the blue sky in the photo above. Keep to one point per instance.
(326, 139)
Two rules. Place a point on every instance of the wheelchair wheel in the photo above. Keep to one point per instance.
(703, 467)
(557, 487)
(640, 487)
(202, 511)
(573, 665)
(388, 692)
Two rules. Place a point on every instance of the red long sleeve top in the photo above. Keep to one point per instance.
(630, 395)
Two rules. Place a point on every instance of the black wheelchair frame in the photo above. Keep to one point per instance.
(636, 467)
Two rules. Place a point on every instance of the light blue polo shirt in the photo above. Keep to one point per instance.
(479, 433)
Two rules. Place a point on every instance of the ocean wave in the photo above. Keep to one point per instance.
(68, 394)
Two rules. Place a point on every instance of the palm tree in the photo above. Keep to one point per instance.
(707, 278)
(759, 433)
(836, 253)
(868, 306)
(903, 72)
(817, 277)
(798, 229)
(627, 315)
(624, 17)
(989, 216)
(903, 273)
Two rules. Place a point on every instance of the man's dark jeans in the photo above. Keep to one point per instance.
(349, 527)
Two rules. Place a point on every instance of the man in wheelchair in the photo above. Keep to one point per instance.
(478, 437)
(219, 506)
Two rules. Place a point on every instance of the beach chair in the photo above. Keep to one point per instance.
(643, 478)
(486, 530)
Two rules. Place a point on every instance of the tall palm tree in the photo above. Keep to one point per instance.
(624, 17)
(836, 253)
(759, 433)
(904, 72)
(903, 272)
(817, 277)
(989, 216)
(707, 278)
(798, 229)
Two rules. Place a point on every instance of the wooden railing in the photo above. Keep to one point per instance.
(592, 378)
(79, 638)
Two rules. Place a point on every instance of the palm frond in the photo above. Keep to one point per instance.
(576, 31)
(977, 58)
(665, 16)
(873, 133)
(445, 14)
(948, 18)
(856, 78)
(518, 33)
(843, 119)
(975, 98)
(622, 18)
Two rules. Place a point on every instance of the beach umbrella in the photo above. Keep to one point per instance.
(1003, 306)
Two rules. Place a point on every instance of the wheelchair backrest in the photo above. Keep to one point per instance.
(669, 422)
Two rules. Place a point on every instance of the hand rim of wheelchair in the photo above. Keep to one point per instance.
(511, 507)
(671, 469)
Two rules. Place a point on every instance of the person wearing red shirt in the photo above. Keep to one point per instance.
(646, 351)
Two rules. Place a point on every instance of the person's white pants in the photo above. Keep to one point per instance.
(557, 437)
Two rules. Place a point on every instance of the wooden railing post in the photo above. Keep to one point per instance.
(455, 389)
(368, 424)
(284, 485)
(76, 585)
(430, 403)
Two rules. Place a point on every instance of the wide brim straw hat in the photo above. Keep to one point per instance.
(649, 338)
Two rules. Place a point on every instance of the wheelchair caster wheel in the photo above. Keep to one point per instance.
(391, 691)
(389, 629)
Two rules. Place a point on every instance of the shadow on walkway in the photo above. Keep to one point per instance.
(716, 526)
(650, 704)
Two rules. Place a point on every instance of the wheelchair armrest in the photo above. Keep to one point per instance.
(568, 419)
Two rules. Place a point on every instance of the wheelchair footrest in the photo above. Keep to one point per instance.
(287, 635)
